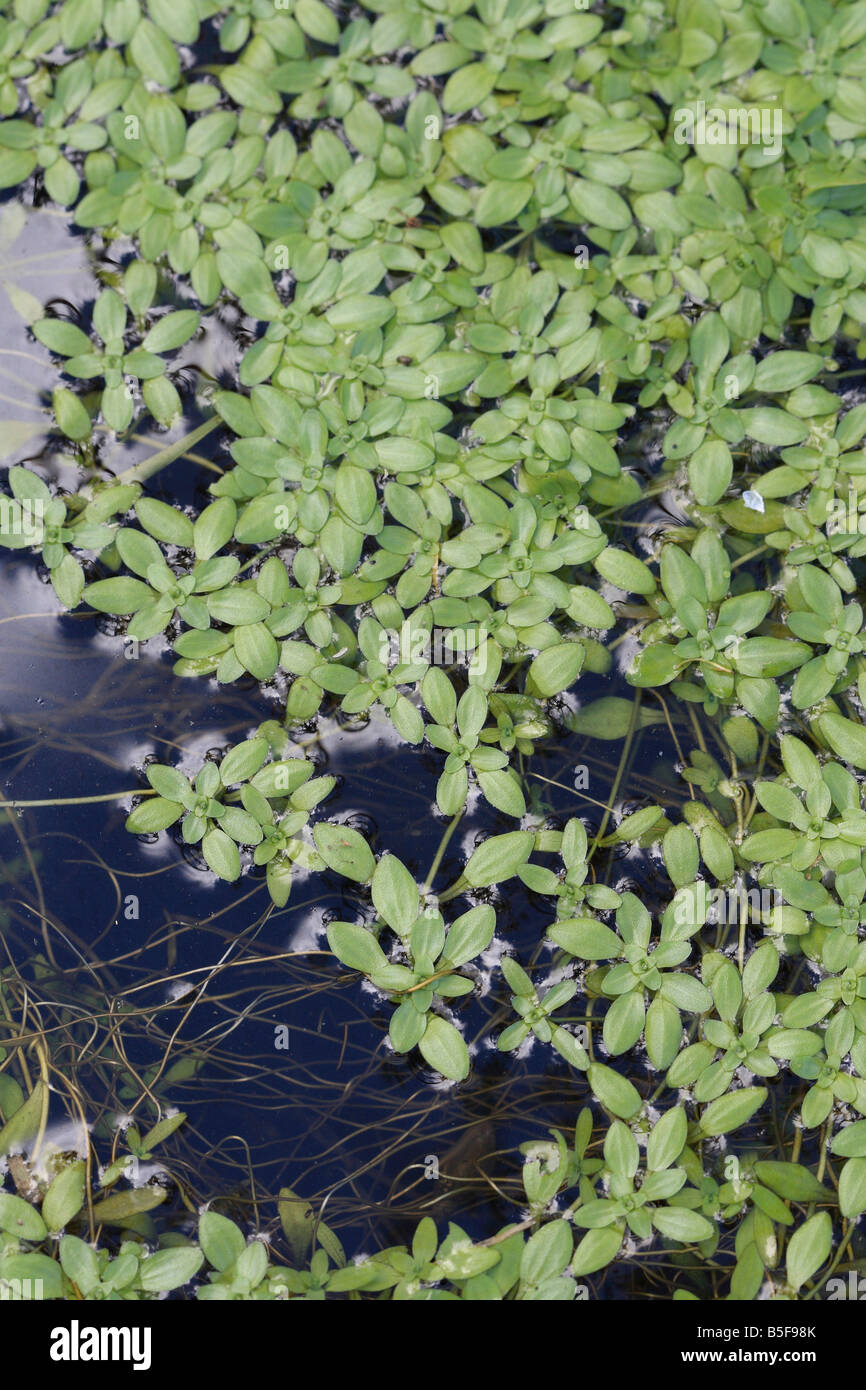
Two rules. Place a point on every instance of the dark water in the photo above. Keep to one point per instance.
(149, 978)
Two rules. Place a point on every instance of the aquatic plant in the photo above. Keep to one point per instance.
(467, 249)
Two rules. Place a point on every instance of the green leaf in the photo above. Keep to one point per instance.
(220, 1239)
(317, 20)
(245, 86)
(27, 486)
(731, 1111)
(16, 166)
(214, 527)
(345, 851)
(161, 1131)
(61, 337)
(498, 858)
(501, 201)
(256, 650)
(586, 938)
(243, 761)
(783, 371)
(547, 1252)
(470, 934)
(67, 580)
(221, 855)
(680, 850)
(626, 571)
(237, 607)
(20, 1219)
(468, 87)
(395, 894)
(769, 845)
(296, 1219)
(37, 1269)
(800, 762)
(663, 1030)
(79, 1263)
(808, 1248)
(595, 1250)
(850, 1142)
(678, 1223)
(282, 778)
(792, 1043)
(847, 739)
(613, 1091)
(598, 204)
(121, 595)
(70, 414)
(356, 947)
(502, 789)
(169, 1269)
(775, 427)
(667, 1139)
(555, 669)
(656, 665)
(171, 331)
(444, 1050)
(633, 828)
(407, 1026)
(178, 18)
(791, 1181)
(760, 969)
(164, 522)
(624, 1022)
(684, 992)
(852, 1188)
(24, 1124)
(120, 1207)
(769, 656)
(154, 54)
(64, 1198)
(711, 468)
(709, 343)
(568, 1047)
(439, 697)
(153, 815)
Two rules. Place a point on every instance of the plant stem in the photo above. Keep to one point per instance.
(76, 800)
(619, 775)
(142, 471)
(443, 845)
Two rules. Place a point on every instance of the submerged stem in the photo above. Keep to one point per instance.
(76, 800)
(437, 860)
(141, 472)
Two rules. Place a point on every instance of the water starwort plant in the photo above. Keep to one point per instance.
(535, 418)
